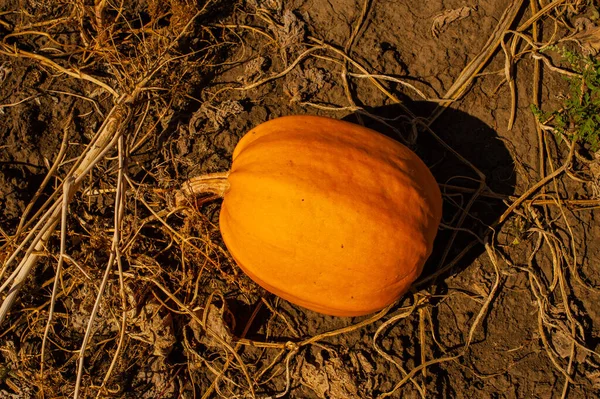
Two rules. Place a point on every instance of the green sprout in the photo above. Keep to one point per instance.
(579, 119)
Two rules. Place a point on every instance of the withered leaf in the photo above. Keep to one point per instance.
(449, 16)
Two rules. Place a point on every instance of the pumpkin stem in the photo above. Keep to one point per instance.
(212, 183)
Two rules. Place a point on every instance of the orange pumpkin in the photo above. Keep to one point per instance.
(326, 214)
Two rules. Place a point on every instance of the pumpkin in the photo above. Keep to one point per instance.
(327, 214)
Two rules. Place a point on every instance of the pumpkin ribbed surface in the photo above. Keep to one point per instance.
(329, 215)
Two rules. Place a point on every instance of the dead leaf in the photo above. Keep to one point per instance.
(273, 5)
(5, 70)
(302, 84)
(218, 115)
(158, 379)
(587, 36)
(595, 379)
(449, 16)
(215, 322)
(360, 362)
(329, 378)
(292, 33)
(563, 344)
(253, 70)
(155, 328)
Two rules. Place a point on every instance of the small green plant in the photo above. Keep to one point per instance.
(579, 119)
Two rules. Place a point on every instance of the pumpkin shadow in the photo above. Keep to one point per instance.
(480, 146)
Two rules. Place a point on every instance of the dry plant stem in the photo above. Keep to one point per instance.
(569, 367)
(98, 13)
(46, 209)
(52, 200)
(29, 98)
(134, 143)
(347, 91)
(38, 33)
(104, 141)
(98, 140)
(513, 100)
(350, 328)
(285, 320)
(548, 63)
(543, 11)
(395, 80)
(67, 186)
(508, 73)
(40, 229)
(347, 51)
(492, 256)
(561, 279)
(53, 212)
(55, 21)
(319, 337)
(88, 99)
(331, 108)
(269, 366)
(358, 26)
(31, 257)
(293, 347)
(88, 332)
(121, 190)
(471, 71)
